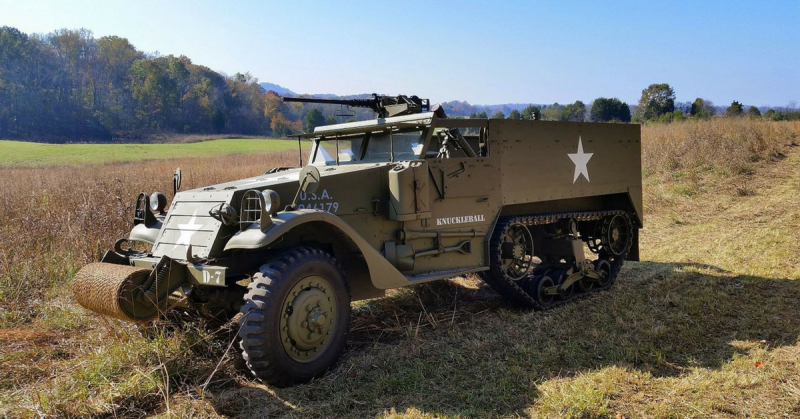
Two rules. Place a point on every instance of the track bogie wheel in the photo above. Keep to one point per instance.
(604, 269)
(541, 283)
(586, 284)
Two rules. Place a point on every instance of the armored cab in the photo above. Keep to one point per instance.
(542, 211)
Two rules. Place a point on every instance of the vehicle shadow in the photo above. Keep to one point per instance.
(453, 348)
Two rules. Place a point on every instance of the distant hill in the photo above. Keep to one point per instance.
(463, 108)
(276, 88)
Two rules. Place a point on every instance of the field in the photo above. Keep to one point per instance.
(707, 325)
(24, 154)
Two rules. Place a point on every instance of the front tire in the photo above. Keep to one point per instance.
(296, 317)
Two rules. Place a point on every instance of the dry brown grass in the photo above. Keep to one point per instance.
(725, 146)
(54, 221)
(684, 159)
(706, 325)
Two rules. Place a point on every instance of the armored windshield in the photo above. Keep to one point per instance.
(381, 146)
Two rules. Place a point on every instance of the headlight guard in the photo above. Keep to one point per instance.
(257, 206)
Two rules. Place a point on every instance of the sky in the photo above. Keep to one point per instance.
(484, 52)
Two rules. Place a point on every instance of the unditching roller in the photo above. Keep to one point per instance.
(123, 292)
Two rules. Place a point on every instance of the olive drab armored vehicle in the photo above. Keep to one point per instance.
(544, 212)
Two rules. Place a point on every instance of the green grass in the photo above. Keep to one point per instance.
(25, 154)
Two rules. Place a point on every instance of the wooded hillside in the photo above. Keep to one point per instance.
(70, 86)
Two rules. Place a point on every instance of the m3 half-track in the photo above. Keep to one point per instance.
(544, 212)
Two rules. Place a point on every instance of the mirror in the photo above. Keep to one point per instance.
(176, 181)
(309, 179)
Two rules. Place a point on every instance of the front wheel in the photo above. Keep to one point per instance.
(296, 317)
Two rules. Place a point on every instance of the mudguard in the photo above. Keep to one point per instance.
(145, 234)
(382, 273)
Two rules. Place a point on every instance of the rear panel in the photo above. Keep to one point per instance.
(544, 161)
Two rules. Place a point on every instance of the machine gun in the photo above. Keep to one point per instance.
(384, 106)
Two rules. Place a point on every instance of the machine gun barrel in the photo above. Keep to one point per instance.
(384, 106)
(356, 103)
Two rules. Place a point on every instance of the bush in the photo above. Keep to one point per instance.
(668, 117)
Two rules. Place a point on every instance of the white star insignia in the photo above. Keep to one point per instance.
(188, 230)
(580, 159)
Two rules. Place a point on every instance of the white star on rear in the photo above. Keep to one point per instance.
(580, 159)
(188, 230)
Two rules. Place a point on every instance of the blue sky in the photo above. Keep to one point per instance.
(480, 51)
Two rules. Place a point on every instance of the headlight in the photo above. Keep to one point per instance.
(158, 201)
(272, 201)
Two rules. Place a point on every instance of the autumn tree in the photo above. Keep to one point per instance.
(272, 103)
(656, 100)
(248, 101)
(610, 109)
(280, 125)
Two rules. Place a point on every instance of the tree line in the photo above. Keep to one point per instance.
(657, 104)
(70, 86)
(601, 110)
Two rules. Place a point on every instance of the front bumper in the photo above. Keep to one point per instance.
(184, 272)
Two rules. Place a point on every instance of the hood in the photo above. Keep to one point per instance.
(342, 190)
(188, 222)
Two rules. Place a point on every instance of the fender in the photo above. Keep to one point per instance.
(145, 234)
(382, 273)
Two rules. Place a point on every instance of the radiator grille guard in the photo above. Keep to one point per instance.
(188, 222)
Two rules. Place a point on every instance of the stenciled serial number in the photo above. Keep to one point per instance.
(320, 201)
(324, 206)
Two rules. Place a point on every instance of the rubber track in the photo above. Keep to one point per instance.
(513, 292)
